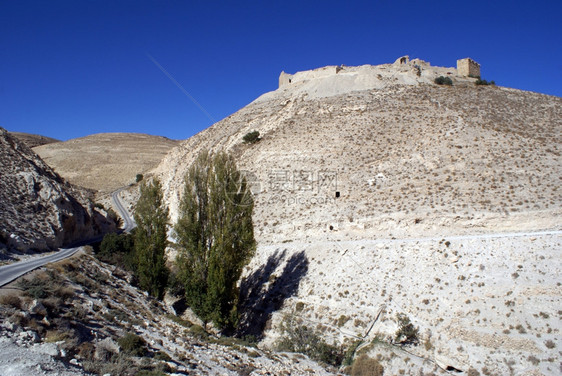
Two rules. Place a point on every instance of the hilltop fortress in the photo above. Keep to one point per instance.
(396, 72)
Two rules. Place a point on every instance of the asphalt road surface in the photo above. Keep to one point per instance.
(8, 273)
(128, 222)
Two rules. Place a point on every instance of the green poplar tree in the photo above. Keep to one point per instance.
(151, 216)
(215, 237)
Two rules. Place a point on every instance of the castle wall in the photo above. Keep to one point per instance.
(284, 79)
(468, 67)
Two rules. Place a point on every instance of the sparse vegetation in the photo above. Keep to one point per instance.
(441, 80)
(118, 249)
(484, 82)
(366, 366)
(300, 338)
(251, 137)
(350, 353)
(132, 344)
(11, 300)
(407, 333)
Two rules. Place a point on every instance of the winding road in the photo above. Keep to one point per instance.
(8, 273)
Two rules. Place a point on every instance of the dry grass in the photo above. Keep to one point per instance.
(105, 161)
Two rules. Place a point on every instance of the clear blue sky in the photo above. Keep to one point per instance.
(73, 68)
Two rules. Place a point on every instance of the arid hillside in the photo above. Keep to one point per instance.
(379, 192)
(405, 156)
(105, 161)
(33, 140)
(38, 209)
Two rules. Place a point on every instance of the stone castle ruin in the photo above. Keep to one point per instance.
(468, 68)
(425, 72)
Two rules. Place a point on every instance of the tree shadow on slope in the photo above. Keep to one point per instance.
(264, 291)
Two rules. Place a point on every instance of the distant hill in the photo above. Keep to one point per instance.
(105, 161)
(33, 140)
(38, 209)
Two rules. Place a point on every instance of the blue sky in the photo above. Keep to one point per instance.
(73, 68)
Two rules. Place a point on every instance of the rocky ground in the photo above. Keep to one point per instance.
(38, 210)
(378, 191)
(70, 319)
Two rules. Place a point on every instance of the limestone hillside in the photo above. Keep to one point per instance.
(38, 209)
(448, 212)
(404, 153)
(33, 140)
(105, 161)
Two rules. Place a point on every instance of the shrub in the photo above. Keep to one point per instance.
(112, 216)
(406, 334)
(132, 344)
(161, 355)
(365, 366)
(41, 285)
(199, 332)
(251, 137)
(302, 339)
(350, 352)
(118, 250)
(484, 82)
(550, 344)
(11, 301)
(443, 81)
(139, 177)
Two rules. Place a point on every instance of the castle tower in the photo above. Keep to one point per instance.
(468, 67)
(285, 78)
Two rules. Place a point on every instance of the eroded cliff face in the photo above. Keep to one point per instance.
(38, 209)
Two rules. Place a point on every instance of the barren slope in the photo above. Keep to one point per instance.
(38, 209)
(449, 212)
(105, 161)
(33, 140)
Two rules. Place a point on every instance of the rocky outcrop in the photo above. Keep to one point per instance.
(38, 209)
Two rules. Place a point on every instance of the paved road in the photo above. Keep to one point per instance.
(8, 273)
(128, 222)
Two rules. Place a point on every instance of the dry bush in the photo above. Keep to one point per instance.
(365, 366)
(11, 301)
(58, 335)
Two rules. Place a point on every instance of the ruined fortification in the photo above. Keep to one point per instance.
(422, 72)
(468, 68)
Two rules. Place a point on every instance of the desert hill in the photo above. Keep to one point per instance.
(105, 161)
(403, 150)
(379, 192)
(38, 209)
(33, 140)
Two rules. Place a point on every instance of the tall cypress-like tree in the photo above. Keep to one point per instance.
(215, 237)
(151, 216)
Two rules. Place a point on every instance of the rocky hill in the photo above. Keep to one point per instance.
(105, 161)
(33, 140)
(38, 209)
(73, 317)
(379, 192)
